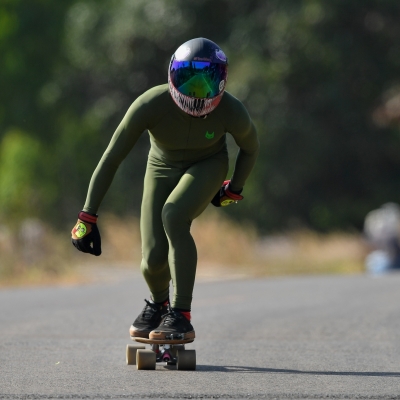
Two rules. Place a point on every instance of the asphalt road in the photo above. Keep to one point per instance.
(282, 338)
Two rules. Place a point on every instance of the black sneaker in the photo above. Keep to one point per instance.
(174, 326)
(148, 319)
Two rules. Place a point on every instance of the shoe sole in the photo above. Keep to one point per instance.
(160, 335)
(135, 333)
(162, 341)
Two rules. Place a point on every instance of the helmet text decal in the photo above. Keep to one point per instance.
(220, 55)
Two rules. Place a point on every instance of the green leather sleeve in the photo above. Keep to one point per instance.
(176, 138)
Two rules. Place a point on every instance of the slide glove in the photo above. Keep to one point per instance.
(86, 235)
(226, 196)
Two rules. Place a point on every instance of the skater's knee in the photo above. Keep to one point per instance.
(174, 219)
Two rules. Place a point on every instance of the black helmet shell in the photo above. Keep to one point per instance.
(200, 49)
(197, 76)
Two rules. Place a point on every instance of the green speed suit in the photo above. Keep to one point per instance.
(187, 163)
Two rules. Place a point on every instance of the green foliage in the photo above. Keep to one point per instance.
(25, 188)
(319, 78)
(322, 70)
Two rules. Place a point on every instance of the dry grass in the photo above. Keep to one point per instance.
(225, 244)
(34, 254)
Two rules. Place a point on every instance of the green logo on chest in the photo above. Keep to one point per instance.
(209, 135)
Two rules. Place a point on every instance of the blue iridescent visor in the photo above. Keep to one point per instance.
(198, 79)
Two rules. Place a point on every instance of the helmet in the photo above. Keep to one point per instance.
(197, 76)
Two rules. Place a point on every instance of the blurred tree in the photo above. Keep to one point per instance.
(319, 78)
(316, 71)
(30, 37)
(25, 184)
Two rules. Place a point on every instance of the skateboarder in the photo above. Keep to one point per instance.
(187, 120)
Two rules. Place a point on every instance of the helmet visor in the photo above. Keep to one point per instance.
(198, 79)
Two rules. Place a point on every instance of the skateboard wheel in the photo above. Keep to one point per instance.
(186, 359)
(145, 359)
(174, 349)
(131, 353)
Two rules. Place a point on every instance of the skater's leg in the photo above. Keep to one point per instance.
(159, 182)
(187, 201)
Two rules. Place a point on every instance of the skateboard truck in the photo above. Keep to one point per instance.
(164, 354)
(171, 350)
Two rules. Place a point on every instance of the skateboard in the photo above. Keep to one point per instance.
(171, 351)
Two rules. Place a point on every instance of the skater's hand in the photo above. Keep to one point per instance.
(86, 235)
(226, 196)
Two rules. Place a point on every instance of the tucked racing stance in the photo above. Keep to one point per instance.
(187, 121)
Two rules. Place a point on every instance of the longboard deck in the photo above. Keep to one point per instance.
(152, 341)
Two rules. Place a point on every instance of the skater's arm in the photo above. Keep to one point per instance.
(245, 135)
(124, 138)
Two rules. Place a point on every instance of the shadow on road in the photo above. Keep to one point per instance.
(236, 368)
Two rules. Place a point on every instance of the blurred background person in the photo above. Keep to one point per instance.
(382, 229)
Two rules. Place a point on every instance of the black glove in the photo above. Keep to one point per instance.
(86, 235)
(226, 196)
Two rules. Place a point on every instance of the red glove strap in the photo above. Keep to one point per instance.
(232, 195)
(91, 219)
